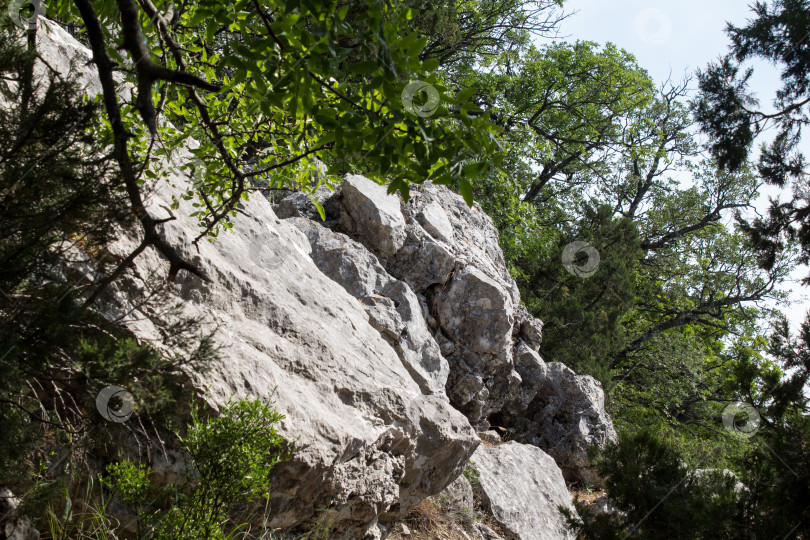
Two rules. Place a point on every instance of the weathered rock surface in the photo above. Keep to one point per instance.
(483, 375)
(486, 533)
(522, 487)
(393, 308)
(450, 260)
(565, 416)
(371, 332)
(449, 256)
(373, 215)
(369, 443)
(457, 497)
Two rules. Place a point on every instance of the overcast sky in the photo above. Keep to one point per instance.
(676, 38)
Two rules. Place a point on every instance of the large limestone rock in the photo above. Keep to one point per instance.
(522, 487)
(477, 315)
(359, 332)
(13, 526)
(371, 213)
(457, 497)
(369, 443)
(450, 260)
(449, 256)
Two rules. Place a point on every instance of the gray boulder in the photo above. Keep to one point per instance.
(485, 532)
(473, 240)
(422, 262)
(533, 373)
(450, 254)
(476, 314)
(457, 497)
(566, 417)
(434, 220)
(363, 427)
(522, 487)
(475, 311)
(528, 329)
(372, 214)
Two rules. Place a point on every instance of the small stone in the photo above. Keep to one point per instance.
(490, 436)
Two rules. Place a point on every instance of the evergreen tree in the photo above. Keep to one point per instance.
(732, 119)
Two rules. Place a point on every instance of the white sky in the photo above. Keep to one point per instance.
(676, 38)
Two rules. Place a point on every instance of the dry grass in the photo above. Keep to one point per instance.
(586, 495)
(427, 521)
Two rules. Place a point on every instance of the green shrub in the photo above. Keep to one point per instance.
(229, 458)
(658, 496)
(471, 473)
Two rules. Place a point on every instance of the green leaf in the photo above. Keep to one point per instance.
(466, 191)
(465, 94)
(430, 64)
(366, 66)
(319, 207)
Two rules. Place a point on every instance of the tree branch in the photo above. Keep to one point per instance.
(120, 151)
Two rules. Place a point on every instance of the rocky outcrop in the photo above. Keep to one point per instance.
(373, 215)
(457, 497)
(522, 487)
(451, 263)
(370, 444)
(392, 307)
(383, 335)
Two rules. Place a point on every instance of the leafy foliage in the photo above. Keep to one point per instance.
(288, 82)
(648, 481)
(561, 143)
(230, 457)
(596, 154)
